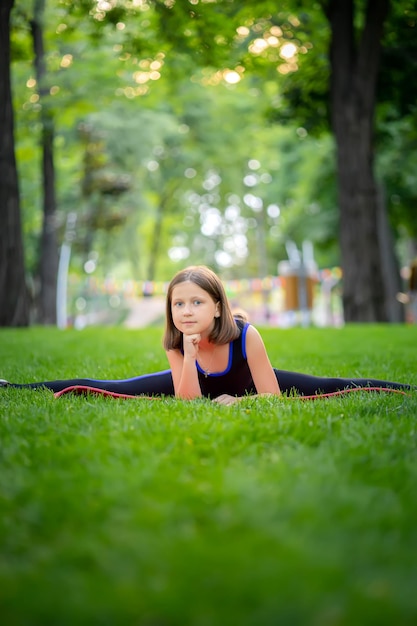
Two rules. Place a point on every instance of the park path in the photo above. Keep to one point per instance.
(145, 311)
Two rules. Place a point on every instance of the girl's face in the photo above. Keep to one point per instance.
(193, 309)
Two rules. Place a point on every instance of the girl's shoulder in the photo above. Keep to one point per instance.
(174, 355)
(252, 340)
(240, 341)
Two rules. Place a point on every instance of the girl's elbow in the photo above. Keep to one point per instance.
(188, 394)
(273, 393)
(270, 391)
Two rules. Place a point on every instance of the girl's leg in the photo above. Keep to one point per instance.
(307, 385)
(157, 384)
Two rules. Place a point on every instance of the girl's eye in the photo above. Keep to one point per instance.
(197, 302)
(178, 304)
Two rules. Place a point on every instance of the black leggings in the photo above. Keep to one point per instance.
(160, 384)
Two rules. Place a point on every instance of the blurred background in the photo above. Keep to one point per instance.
(276, 146)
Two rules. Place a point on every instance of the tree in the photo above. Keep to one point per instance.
(48, 261)
(355, 36)
(14, 309)
(194, 40)
(354, 71)
(368, 83)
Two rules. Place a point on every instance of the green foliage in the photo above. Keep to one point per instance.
(99, 61)
(186, 513)
(396, 167)
(204, 30)
(396, 86)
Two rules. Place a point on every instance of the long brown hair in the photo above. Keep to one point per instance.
(225, 328)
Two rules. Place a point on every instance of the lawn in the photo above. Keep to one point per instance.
(169, 513)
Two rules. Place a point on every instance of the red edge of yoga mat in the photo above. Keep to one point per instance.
(82, 389)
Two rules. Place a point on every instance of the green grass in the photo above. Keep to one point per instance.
(169, 513)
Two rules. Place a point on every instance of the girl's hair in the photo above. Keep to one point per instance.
(225, 328)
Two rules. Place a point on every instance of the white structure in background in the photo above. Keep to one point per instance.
(63, 267)
(327, 315)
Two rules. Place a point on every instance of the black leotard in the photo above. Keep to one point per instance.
(236, 380)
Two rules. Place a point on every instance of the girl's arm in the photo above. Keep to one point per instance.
(184, 374)
(260, 366)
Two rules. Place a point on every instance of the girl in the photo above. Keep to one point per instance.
(211, 353)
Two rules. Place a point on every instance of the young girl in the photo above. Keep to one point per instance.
(211, 353)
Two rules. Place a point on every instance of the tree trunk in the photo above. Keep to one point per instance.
(156, 240)
(354, 68)
(48, 262)
(14, 302)
(390, 265)
(163, 206)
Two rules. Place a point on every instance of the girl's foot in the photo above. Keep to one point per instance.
(3, 383)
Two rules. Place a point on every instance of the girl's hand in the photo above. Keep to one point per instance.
(190, 345)
(226, 399)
